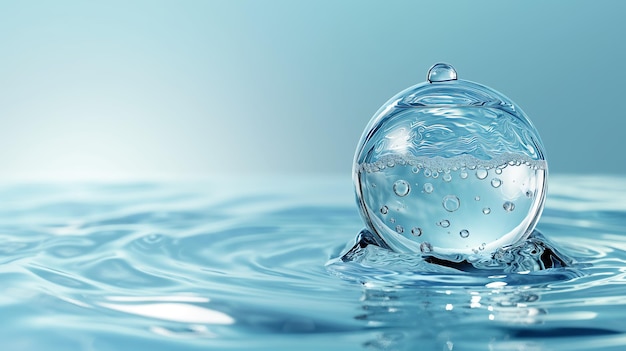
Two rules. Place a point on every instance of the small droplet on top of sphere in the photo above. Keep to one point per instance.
(441, 72)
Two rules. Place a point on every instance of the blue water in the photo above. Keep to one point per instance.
(240, 264)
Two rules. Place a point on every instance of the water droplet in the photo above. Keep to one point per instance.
(508, 206)
(464, 233)
(482, 246)
(399, 229)
(441, 72)
(529, 194)
(392, 220)
(481, 174)
(384, 210)
(423, 145)
(373, 185)
(426, 247)
(416, 231)
(428, 188)
(401, 188)
(451, 203)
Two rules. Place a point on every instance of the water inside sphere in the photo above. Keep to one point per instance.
(450, 157)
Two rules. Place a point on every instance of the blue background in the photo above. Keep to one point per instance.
(121, 89)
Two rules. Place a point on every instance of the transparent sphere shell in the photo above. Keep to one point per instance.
(450, 168)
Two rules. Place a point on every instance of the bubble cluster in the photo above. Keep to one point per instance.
(464, 205)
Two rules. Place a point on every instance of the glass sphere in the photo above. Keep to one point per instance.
(450, 168)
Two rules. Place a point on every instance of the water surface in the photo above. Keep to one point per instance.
(241, 264)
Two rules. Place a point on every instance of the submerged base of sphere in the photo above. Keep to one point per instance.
(534, 254)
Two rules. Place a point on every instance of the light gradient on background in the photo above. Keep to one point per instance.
(153, 88)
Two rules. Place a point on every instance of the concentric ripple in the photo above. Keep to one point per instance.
(240, 264)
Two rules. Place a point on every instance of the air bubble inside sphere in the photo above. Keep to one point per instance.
(450, 168)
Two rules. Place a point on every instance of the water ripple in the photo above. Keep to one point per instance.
(218, 265)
